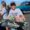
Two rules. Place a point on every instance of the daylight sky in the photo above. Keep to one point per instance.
(17, 1)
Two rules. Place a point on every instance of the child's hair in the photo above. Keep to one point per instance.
(4, 3)
(13, 4)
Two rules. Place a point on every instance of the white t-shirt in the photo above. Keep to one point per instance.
(4, 12)
(15, 12)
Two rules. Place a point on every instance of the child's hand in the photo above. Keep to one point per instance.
(17, 19)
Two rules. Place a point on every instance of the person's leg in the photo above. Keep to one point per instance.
(7, 28)
(2, 28)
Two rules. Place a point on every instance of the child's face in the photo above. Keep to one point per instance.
(13, 7)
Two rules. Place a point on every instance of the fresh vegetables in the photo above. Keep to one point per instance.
(12, 18)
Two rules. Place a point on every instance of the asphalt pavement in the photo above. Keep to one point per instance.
(27, 16)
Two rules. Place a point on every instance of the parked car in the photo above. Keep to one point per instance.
(25, 7)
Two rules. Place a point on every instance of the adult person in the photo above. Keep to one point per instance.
(17, 13)
(3, 13)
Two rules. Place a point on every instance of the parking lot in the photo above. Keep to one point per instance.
(27, 16)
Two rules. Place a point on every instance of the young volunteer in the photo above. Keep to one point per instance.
(16, 12)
